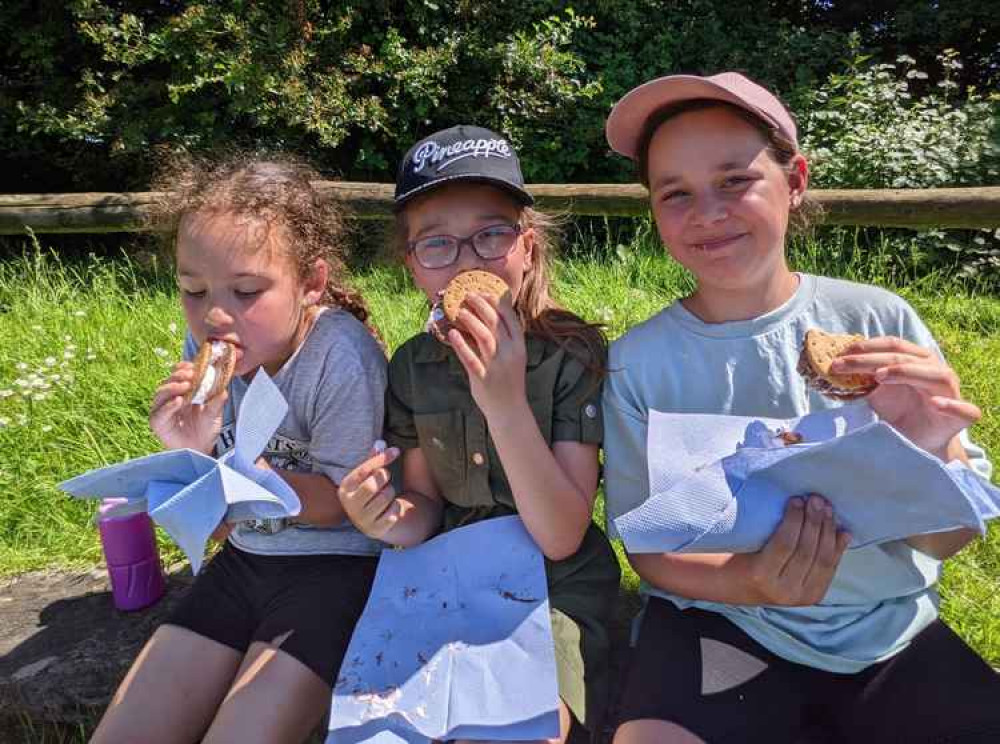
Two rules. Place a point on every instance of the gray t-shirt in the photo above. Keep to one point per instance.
(335, 387)
(881, 595)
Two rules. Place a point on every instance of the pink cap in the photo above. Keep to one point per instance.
(629, 116)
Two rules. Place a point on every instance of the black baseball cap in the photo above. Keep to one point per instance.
(462, 153)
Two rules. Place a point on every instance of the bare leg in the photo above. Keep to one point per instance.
(170, 694)
(275, 698)
(565, 721)
(653, 731)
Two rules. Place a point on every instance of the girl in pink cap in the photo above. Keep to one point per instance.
(800, 636)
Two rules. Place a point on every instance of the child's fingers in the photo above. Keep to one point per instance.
(892, 344)
(362, 472)
(169, 391)
(932, 379)
(869, 363)
(387, 519)
(826, 559)
(380, 501)
(781, 545)
(473, 365)
(483, 335)
(508, 317)
(159, 415)
(484, 309)
(799, 564)
(961, 410)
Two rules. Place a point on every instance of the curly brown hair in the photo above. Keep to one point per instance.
(538, 312)
(275, 192)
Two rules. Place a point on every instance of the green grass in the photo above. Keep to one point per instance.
(109, 329)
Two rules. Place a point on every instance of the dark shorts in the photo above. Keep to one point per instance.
(314, 600)
(699, 670)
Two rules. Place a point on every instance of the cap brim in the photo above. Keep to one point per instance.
(521, 196)
(627, 119)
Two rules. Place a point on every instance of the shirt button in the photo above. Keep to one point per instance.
(590, 410)
(477, 458)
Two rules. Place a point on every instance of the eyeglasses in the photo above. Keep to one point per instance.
(489, 243)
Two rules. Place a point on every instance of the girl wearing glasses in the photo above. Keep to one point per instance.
(504, 417)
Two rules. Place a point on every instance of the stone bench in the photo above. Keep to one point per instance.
(65, 648)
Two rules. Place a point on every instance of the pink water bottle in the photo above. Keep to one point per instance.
(133, 560)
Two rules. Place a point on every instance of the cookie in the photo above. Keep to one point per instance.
(819, 349)
(445, 310)
(213, 369)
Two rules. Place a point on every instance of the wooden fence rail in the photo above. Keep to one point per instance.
(126, 212)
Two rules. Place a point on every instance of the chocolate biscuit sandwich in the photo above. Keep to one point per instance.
(819, 349)
(213, 369)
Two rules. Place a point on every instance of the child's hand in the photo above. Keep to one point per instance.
(918, 393)
(179, 425)
(368, 497)
(798, 562)
(496, 359)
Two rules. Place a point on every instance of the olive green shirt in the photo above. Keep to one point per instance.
(429, 405)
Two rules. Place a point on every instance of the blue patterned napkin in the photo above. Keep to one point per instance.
(721, 483)
(454, 643)
(188, 493)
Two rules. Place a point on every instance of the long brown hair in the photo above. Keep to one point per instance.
(275, 191)
(537, 311)
(801, 217)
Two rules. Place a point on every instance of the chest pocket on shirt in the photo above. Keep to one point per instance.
(442, 440)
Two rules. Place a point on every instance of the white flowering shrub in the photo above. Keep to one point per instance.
(866, 128)
(869, 128)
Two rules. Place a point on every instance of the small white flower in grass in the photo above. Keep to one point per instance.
(6, 394)
(163, 353)
(79, 313)
(22, 419)
(4, 422)
(39, 396)
(90, 357)
(68, 355)
(67, 338)
(172, 328)
(21, 366)
(47, 428)
(21, 382)
(50, 361)
(55, 378)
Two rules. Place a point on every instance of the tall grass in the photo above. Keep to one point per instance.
(84, 342)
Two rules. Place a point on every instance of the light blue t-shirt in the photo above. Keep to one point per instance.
(882, 595)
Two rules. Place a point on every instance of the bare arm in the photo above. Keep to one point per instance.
(554, 488)
(942, 545)
(920, 395)
(374, 507)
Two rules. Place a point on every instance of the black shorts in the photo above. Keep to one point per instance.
(935, 690)
(314, 600)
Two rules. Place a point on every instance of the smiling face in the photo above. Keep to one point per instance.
(238, 288)
(721, 204)
(462, 209)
